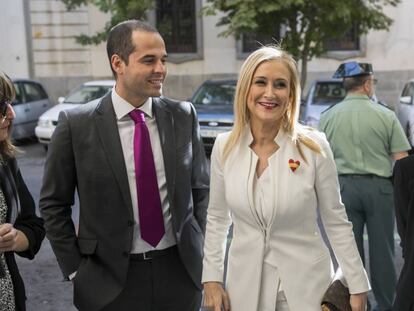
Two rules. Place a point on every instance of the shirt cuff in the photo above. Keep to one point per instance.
(72, 275)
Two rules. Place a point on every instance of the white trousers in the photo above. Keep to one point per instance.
(271, 298)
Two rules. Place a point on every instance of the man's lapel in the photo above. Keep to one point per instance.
(105, 120)
(165, 124)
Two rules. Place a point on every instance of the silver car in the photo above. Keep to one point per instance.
(405, 110)
(322, 94)
(213, 101)
(31, 101)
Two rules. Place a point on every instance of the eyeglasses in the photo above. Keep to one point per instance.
(373, 80)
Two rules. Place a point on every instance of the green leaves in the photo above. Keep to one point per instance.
(306, 23)
(120, 10)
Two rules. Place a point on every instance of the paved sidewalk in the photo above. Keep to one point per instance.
(45, 288)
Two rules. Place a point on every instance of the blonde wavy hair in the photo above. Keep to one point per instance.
(290, 124)
(7, 94)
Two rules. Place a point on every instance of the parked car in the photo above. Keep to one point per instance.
(322, 94)
(405, 110)
(213, 101)
(82, 94)
(31, 101)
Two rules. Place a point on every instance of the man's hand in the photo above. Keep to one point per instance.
(358, 302)
(215, 297)
(12, 240)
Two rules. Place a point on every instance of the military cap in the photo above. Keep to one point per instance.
(353, 69)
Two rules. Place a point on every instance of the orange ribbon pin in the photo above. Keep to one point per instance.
(294, 164)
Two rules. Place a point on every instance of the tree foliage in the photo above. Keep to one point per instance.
(307, 24)
(120, 10)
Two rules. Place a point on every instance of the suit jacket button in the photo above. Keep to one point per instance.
(125, 253)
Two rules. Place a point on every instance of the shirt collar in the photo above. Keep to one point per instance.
(352, 96)
(122, 107)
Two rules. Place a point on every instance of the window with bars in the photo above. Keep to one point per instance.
(176, 22)
(251, 41)
(348, 42)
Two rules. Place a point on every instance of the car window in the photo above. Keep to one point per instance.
(33, 92)
(328, 93)
(19, 97)
(215, 94)
(86, 93)
(408, 90)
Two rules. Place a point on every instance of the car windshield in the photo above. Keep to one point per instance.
(215, 94)
(86, 93)
(328, 93)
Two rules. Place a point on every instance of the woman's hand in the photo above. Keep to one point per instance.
(358, 302)
(215, 297)
(12, 240)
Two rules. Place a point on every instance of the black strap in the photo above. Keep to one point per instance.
(152, 254)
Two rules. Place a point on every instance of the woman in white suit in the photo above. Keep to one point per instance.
(269, 177)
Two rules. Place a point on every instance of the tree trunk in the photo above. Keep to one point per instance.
(303, 71)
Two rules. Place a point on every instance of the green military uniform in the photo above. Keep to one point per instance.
(363, 135)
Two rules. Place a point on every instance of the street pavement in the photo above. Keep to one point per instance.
(45, 288)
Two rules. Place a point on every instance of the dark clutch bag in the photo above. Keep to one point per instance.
(336, 297)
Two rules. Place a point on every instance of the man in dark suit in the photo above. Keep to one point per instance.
(404, 212)
(138, 165)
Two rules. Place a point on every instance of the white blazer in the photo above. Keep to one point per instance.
(293, 242)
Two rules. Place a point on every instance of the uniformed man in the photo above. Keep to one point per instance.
(365, 137)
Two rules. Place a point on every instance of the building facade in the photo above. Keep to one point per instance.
(42, 46)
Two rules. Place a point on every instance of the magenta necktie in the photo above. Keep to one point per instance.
(151, 220)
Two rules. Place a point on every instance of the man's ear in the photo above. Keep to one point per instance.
(117, 64)
(365, 86)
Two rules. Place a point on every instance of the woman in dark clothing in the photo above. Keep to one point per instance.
(21, 231)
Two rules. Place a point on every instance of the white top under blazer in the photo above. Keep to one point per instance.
(293, 241)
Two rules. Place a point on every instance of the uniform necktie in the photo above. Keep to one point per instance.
(151, 220)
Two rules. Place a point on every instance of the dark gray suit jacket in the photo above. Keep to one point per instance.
(86, 155)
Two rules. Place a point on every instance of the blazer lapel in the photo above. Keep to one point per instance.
(277, 171)
(105, 120)
(252, 160)
(278, 165)
(165, 124)
(9, 192)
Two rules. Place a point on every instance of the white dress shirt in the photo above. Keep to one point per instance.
(126, 128)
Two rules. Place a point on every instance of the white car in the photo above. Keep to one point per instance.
(86, 92)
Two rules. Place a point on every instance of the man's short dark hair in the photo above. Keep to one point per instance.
(120, 39)
(353, 83)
